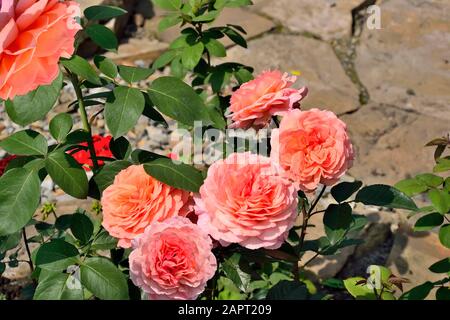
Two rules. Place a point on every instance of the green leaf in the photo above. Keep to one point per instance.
(33, 106)
(243, 75)
(418, 293)
(60, 126)
(103, 12)
(170, 5)
(142, 156)
(411, 187)
(288, 290)
(216, 48)
(82, 227)
(82, 68)
(443, 293)
(439, 199)
(120, 148)
(235, 37)
(19, 199)
(442, 266)
(150, 111)
(134, 74)
(102, 36)
(359, 290)
(207, 17)
(233, 272)
(101, 277)
(25, 143)
(334, 283)
(430, 180)
(191, 55)
(442, 166)
(64, 222)
(107, 173)
(444, 235)
(169, 21)
(59, 286)
(344, 190)
(104, 242)
(67, 174)
(180, 176)
(337, 220)
(106, 66)
(56, 255)
(178, 101)
(429, 222)
(123, 112)
(164, 59)
(9, 242)
(385, 196)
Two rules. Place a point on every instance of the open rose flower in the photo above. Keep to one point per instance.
(101, 146)
(270, 94)
(135, 200)
(34, 34)
(245, 200)
(172, 260)
(312, 147)
(4, 163)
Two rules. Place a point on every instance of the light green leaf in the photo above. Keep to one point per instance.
(60, 126)
(191, 55)
(444, 235)
(82, 68)
(134, 74)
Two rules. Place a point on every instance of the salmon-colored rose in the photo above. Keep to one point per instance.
(312, 147)
(172, 260)
(34, 34)
(270, 94)
(135, 200)
(245, 200)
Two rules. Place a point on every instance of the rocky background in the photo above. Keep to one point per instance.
(390, 85)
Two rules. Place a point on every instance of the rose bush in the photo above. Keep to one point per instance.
(170, 228)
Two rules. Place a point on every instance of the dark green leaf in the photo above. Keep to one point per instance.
(385, 196)
(429, 222)
(180, 176)
(104, 242)
(142, 156)
(123, 112)
(134, 74)
(60, 126)
(33, 106)
(9, 242)
(106, 66)
(344, 190)
(81, 227)
(443, 293)
(120, 148)
(102, 36)
(107, 174)
(288, 290)
(418, 293)
(59, 286)
(19, 199)
(337, 220)
(82, 68)
(103, 12)
(442, 266)
(233, 272)
(64, 222)
(178, 100)
(235, 37)
(56, 255)
(25, 143)
(67, 174)
(101, 277)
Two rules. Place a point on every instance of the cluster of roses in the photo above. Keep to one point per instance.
(246, 199)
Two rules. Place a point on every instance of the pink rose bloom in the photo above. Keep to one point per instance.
(312, 147)
(135, 200)
(270, 94)
(245, 200)
(34, 34)
(172, 260)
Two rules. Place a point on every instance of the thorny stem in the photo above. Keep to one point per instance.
(84, 117)
(27, 248)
